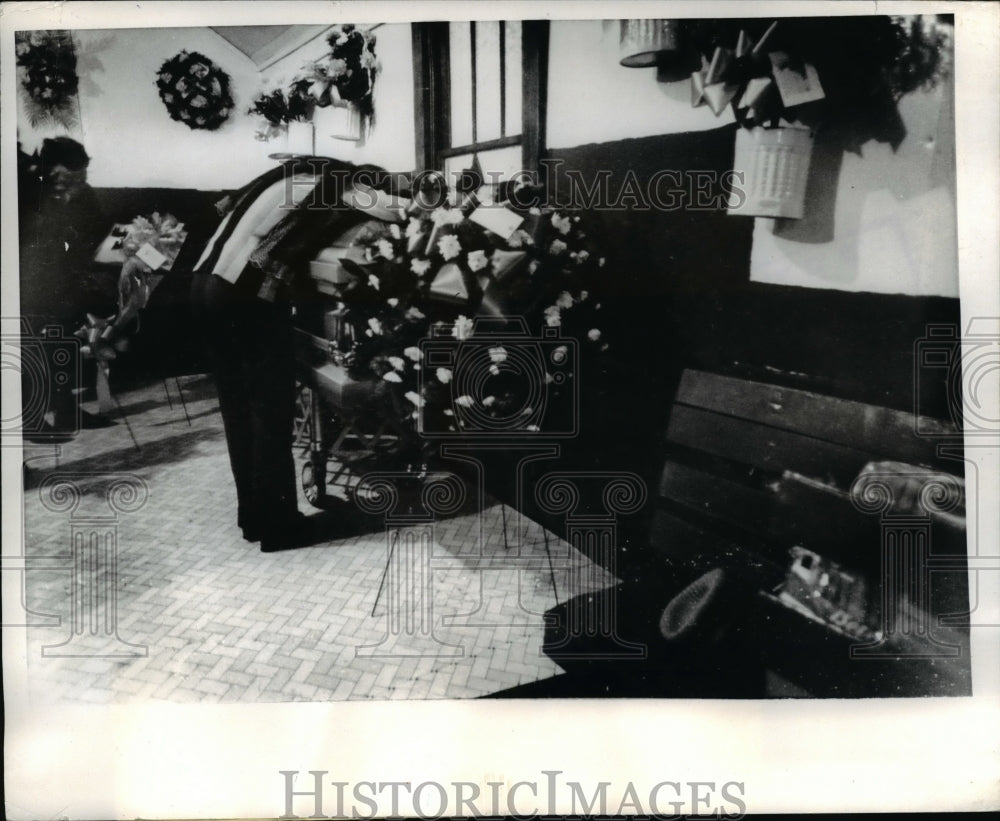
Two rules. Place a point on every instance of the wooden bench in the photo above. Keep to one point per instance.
(754, 470)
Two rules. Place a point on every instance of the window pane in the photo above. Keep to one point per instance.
(461, 83)
(487, 81)
(453, 168)
(512, 81)
(498, 164)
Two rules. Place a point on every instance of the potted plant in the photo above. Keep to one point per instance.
(281, 111)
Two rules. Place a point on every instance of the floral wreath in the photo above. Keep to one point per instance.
(50, 80)
(195, 90)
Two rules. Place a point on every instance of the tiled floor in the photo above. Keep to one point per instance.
(194, 613)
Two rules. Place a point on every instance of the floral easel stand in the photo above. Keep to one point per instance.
(150, 246)
(102, 345)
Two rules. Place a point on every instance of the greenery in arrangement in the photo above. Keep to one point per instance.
(47, 63)
(105, 337)
(195, 90)
(279, 108)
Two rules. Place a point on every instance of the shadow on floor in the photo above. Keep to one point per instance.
(159, 452)
(181, 420)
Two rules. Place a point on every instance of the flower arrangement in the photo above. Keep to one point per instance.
(455, 273)
(164, 233)
(49, 80)
(150, 245)
(195, 90)
(346, 75)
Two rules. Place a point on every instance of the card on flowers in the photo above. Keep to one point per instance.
(500, 220)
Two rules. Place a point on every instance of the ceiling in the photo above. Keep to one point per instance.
(265, 44)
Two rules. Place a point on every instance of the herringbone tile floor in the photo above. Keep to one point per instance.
(185, 610)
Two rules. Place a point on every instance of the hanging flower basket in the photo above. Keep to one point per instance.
(47, 66)
(774, 163)
(659, 43)
(344, 77)
(797, 72)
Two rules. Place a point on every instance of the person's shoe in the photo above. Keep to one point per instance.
(299, 532)
(338, 521)
(249, 525)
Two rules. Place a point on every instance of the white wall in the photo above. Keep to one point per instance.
(392, 142)
(133, 142)
(126, 128)
(593, 99)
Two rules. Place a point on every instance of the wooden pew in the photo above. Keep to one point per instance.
(753, 470)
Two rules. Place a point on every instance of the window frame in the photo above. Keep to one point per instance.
(432, 97)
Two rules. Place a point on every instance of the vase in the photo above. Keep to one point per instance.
(346, 122)
(300, 138)
(774, 167)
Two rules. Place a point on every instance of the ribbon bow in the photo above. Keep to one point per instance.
(100, 339)
(752, 79)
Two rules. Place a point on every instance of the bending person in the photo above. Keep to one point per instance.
(242, 290)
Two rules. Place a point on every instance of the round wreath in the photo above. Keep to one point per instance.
(195, 90)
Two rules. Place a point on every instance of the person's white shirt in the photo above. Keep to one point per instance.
(263, 214)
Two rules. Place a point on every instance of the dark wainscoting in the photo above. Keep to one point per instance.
(682, 297)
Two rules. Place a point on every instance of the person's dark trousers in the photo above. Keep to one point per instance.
(252, 344)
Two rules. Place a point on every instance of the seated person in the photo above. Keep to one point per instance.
(59, 235)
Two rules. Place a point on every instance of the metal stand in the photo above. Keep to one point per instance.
(180, 393)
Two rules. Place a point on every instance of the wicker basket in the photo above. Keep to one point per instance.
(774, 163)
(646, 42)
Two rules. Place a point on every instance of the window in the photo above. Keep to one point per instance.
(480, 94)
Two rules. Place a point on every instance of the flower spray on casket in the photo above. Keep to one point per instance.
(457, 268)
